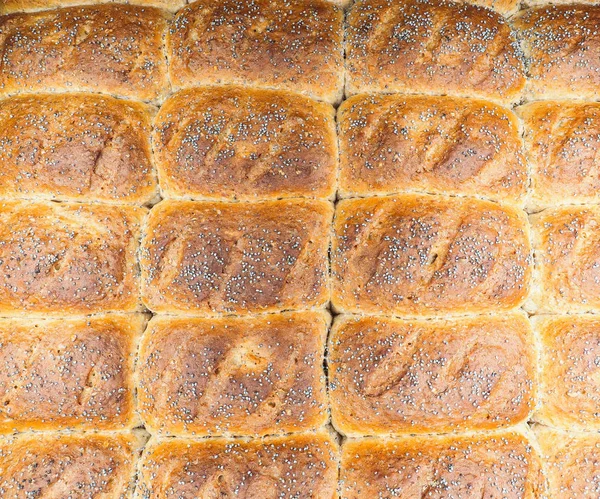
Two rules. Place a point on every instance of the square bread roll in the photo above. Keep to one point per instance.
(111, 48)
(417, 255)
(233, 376)
(389, 376)
(295, 46)
(68, 258)
(243, 143)
(212, 258)
(301, 465)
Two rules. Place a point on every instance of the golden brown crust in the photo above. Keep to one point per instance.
(236, 257)
(570, 463)
(76, 147)
(499, 464)
(418, 255)
(392, 143)
(52, 465)
(11, 6)
(68, 373)
(303, 465)
(288, 44)
(562, 48)
(389, 376)
(243, 143)
(570, 371)
(567, 260)
(233, 376)
(109, 48)
(65, 259)
(561, 140)
(431, 47)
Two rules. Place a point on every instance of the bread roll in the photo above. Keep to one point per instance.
(110, 48)
(304, 465)
(215, 258)
(417, 255)
(54, 465)
(433, 47)
(242, 143)
(391, 143)
(390, 376)
(65, 259)
(76, 147)
(562, 48)
(567, 260)
(68, 373)
(292, 45)
(561, 140)
(494, 465)
(570, 371)
(233, 376)
(10, 6)
(570, 462)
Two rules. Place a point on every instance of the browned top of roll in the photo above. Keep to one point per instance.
(487, 465)
(388, 376)
(289, 44)
(233, 376)
(109, 48)
(68, 373)
(75, 146)
(431, 47)
(420, 255)
(10, 6)
(234, 142)
(236, 257)
(303, 465)
(65, 259)
(562, 49)
(91, 466)
(392, 143)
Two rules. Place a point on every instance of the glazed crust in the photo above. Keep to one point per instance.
(567, 265)
(109, 48)
(432, 47)
(304, 465)
(68, 259)
(562, 48)
(77, 147)
(293, 45)
(233, 376)
(211, 258)
(243, 143)
(11, 6)
(393, 143)
(562, 139)
(390, 376)
(85, 466)
(483, 465)
(417, 255)
(570, 374)
(68, 373)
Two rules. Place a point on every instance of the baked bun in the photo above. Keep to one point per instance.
(292, 45)
(68, 259)
(418, 255)
(303, 465)
(10, 6)
(111, 48)
(562, 48)
(569, 384)
(211, 258)
(392, 143)
(243, 143)
(495, 464)
(233, 376)
(391, 376)
(432, 47)
(567, 260)
(76, 147)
